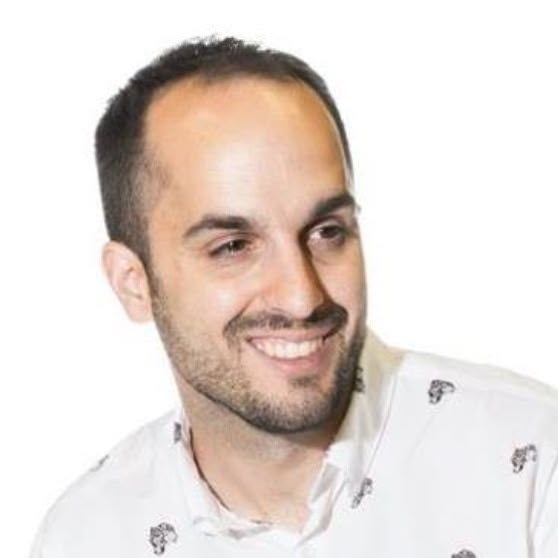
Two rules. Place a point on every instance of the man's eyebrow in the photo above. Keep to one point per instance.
(329, 205)
(213, 221)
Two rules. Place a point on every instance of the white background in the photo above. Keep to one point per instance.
(452, 112)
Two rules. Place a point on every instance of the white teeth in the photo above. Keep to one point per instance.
(287, 349)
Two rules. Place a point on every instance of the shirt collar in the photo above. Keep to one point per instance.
(205, 509)
(361, 431)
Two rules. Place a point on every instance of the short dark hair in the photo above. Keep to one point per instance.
(126, 170)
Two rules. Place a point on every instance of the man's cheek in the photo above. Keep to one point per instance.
(230, 299)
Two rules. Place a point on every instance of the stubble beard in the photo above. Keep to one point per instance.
(307, 406)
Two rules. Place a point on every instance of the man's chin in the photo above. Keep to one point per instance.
(288, 418)
(298, 397)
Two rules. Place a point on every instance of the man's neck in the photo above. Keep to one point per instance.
(258, 475)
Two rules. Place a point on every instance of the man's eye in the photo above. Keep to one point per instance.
(332, 234)
(230, 248)
(332, 231)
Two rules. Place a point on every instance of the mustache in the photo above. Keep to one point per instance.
(326, 315)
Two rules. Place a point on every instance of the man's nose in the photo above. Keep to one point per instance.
(294, 287)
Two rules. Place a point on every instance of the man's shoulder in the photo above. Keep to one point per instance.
(491, 399)
(102, 496)
(126, 463)
(477, 378)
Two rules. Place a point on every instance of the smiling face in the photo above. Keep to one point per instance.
(259, 291)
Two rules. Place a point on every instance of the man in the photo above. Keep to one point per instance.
(227, 188)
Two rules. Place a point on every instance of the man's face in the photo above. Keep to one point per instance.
(259, 291)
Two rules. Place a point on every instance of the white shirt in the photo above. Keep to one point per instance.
(436, 458)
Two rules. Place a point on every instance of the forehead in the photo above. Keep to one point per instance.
(243, 141)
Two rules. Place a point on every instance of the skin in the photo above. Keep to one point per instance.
(290, 269)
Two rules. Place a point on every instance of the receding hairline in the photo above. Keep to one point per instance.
(148, 153)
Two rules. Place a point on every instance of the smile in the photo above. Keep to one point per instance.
(279, 348)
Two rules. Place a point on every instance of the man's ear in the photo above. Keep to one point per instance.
(128, 279)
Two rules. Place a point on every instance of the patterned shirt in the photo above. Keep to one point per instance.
(436, 458)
